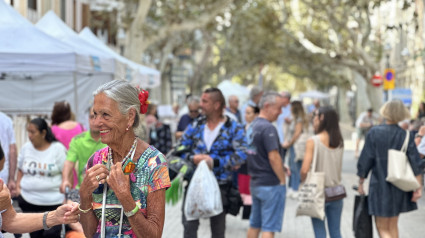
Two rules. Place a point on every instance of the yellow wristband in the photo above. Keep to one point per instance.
(83, 211)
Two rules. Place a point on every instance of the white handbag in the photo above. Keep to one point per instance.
(400, 172)
(311, 194)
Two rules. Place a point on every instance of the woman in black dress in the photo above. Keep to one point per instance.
(385, 200)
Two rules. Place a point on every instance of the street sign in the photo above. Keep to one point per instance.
(403, 94)
(389, 79)
(376, 80)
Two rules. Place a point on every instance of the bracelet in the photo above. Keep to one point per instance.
(45, 227)
(83, 211)
(132, 212)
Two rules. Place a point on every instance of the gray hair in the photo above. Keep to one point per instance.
(193, 99)
(254, 92)
(124, 94)
(268, 97)
(286, 94)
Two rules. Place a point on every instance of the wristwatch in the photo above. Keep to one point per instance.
(132, 212)
(418, 135)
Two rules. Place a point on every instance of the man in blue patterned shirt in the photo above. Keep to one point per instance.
(219, 141)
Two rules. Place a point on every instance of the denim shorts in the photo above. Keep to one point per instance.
(268, 206)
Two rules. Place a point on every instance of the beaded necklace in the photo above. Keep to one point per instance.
(127, 163)
(128, 167)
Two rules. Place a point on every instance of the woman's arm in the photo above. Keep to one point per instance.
(297, 133)
(418, 192)
(18, 183)
(88, 219)
(27, 222)
(308, 158)
(153, 224)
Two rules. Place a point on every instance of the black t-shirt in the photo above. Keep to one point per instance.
(262, 138)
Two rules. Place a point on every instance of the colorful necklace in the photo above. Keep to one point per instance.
(128, 165)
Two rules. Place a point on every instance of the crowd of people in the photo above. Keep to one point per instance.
(120, 176)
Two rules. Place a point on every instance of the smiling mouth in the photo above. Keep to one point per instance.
(102, 132)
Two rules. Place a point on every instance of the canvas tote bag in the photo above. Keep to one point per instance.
(400, 172)
(311, 198)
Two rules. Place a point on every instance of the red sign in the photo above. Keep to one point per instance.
(376, 80)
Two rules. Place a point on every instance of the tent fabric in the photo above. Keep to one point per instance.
(89, 56)
(23, 48)
(314, 95)
(37, 69)
(229, 88)
(141, 75)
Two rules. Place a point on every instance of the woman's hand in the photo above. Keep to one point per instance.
(67, 213)
(286, 145)
(360, 189)
(5, 200)
(417, 194)
(94, 176)
(118, 181)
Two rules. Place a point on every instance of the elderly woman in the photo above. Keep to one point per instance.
(385, 200)
(128, 176)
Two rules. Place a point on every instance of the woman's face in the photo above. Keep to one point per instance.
(107, 117)
(36, 137)
(249, 114)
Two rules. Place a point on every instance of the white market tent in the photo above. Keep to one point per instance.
(140, 75)
(37, 70)
(229, 88)
(314, 94)
(87, 54)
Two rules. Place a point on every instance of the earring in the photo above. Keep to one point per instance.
(127, 128)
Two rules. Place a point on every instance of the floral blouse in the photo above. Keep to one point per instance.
(150, 174)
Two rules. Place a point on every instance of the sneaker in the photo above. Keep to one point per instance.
(294, 195)
(289, 192)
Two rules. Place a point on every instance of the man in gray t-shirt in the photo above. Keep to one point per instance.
(265, 166)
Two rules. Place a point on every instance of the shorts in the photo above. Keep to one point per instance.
(361, 132)
(268, 206)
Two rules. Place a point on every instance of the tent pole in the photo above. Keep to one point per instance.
(76, 96)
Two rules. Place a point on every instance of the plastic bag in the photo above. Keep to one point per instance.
(362, 221)
(203, 198)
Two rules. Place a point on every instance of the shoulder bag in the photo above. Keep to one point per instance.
(400, 172)
(311, 198)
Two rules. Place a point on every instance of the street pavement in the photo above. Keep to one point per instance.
(411, 225)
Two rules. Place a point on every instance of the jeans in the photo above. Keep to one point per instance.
(295, 166)
(333, 212)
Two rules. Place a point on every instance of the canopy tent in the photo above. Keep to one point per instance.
(23, 48)
(314, 94)
(87, 54)
(141, 75)
(229, 88)
(36, 69)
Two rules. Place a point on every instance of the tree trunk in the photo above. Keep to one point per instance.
(367, 95)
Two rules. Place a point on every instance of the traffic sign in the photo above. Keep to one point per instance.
(389, 79)
(376, 80)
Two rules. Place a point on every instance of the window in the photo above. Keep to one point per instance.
(32, 4)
